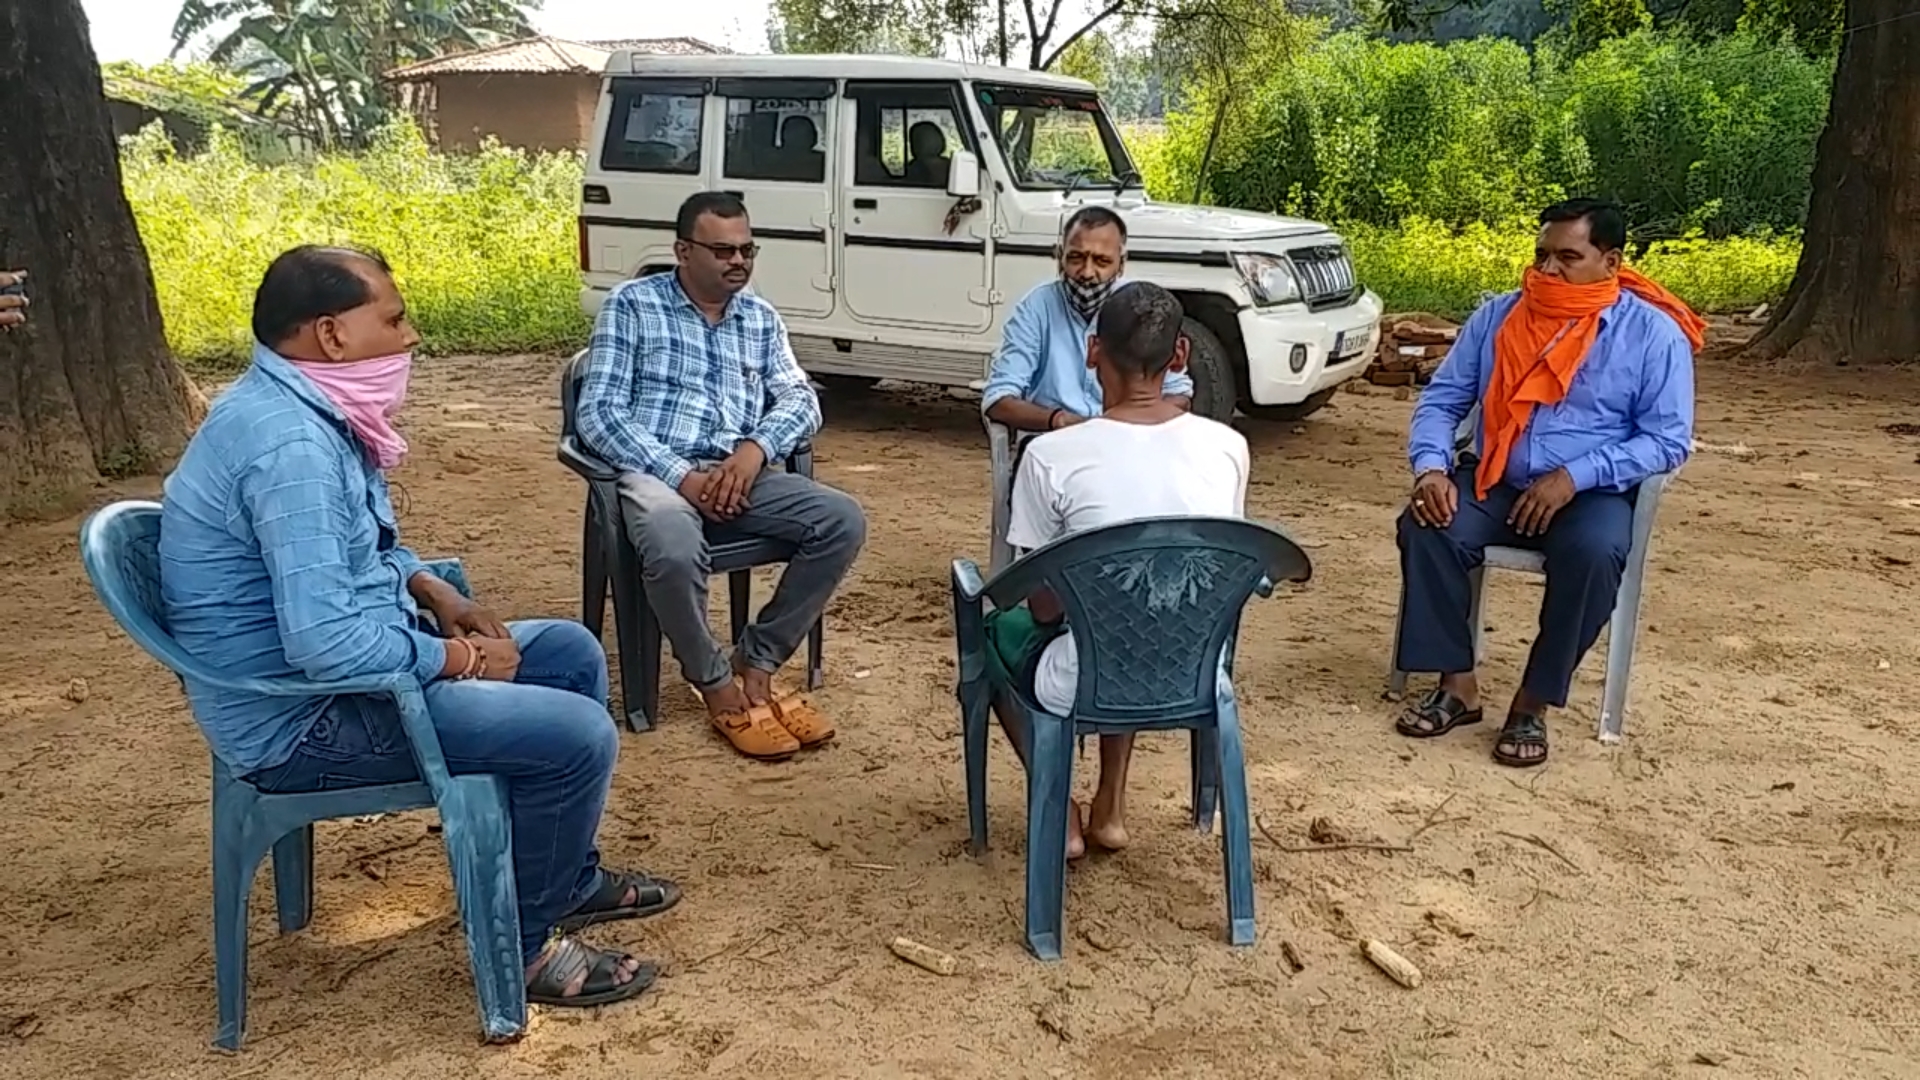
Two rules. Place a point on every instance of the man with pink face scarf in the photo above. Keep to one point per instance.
(280, 558)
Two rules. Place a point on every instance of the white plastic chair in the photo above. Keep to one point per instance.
(1621, 631)
(1000, 447)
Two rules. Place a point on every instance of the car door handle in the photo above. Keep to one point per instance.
(866, 204)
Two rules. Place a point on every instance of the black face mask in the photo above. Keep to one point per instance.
(1085, 297)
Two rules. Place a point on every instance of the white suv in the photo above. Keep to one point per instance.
(903, 205)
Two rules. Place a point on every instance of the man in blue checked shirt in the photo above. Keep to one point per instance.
(690, 389)
(1041, 380)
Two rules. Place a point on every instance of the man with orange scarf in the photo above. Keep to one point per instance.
(1584, 380)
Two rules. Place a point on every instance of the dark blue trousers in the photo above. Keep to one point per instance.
(1586, 550)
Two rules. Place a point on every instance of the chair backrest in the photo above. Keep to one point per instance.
(1464, 432)
(570, 377)
(1153, 604)
(120, 547)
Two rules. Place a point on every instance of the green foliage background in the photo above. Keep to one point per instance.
(1431, 159)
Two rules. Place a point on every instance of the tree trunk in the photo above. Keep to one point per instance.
(88, 388)
(1855, 296)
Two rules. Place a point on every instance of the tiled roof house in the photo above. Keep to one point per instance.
(536, 93)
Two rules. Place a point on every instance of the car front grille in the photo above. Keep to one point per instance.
(1326, 274)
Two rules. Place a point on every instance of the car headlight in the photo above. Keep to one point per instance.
(1269, 277)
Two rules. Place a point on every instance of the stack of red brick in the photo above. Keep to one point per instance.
(1411, 347)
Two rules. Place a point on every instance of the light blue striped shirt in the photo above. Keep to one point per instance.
(1043, 357)
(665, 391)
(280, 557)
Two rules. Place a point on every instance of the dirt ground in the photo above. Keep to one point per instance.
(1730, 893)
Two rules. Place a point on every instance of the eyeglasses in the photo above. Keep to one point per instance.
(726, 252)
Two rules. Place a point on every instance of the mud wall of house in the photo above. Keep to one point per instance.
(531, 112)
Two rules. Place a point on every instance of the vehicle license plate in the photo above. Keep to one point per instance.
(1352, 343)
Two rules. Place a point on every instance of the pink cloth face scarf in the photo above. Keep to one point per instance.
(369, 393)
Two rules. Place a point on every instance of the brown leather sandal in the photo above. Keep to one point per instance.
(805, 722)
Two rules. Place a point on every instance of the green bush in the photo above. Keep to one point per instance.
(1423, 265)
(483, 247)
(1713, 136)
(485, 250)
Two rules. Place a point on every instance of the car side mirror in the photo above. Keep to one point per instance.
(963, 175)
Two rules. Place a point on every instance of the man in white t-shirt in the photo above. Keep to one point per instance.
(1143, 456)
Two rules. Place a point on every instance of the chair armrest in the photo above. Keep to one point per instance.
(1650, 491)
(968, 585)
(396, 683)
(576, 457)
(452, 572)
(969, 624)
(800, 462)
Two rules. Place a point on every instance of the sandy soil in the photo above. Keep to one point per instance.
(1735, 887)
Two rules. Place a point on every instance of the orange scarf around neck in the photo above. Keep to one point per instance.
(1540, 346)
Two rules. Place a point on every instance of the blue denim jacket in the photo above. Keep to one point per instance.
(280, 558)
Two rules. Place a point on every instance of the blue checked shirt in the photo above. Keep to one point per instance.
(665, 391)
(280, 558)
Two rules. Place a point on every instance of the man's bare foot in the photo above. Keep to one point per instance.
(571, 973)
(1107, 827)
(756, 684)
(1076, 839)
(726, 699)
(753, 729)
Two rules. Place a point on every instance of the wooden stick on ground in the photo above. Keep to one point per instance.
(1398, 968)
(924, 956)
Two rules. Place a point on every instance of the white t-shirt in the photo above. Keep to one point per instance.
(1103, 472)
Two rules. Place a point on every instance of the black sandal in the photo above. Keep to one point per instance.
(652, 896)
(1441, 712)
(567, 958)
(1521, 730)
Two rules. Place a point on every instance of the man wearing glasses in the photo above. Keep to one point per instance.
(690, 390)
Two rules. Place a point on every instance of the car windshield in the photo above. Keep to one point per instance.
(1056, 140)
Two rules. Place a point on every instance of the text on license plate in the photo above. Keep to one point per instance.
(1351, 343)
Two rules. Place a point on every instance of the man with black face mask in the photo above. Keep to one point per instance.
(1040, 379)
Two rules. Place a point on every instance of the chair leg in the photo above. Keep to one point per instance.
(647, 670)
(1236, 836)
(593, 571)
(293, 879)
(1049, 783)
(1477, 582)
(1205, 754)
(739, 603)
(975, 707)
(235, 857)
(632, 618)
(1396, 679)
(1622, 635)
(817, 655)
(473, 816)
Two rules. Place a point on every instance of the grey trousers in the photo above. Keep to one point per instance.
(826, 527)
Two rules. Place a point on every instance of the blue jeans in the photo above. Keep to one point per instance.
(547, 732)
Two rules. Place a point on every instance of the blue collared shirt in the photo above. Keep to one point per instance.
(280, 558)
(1043, 357)
(664, 390)
(1628, 414)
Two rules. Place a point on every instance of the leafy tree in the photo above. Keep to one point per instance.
(319, 63)
(1851, 297)
(91, 390)
(1590, 22)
